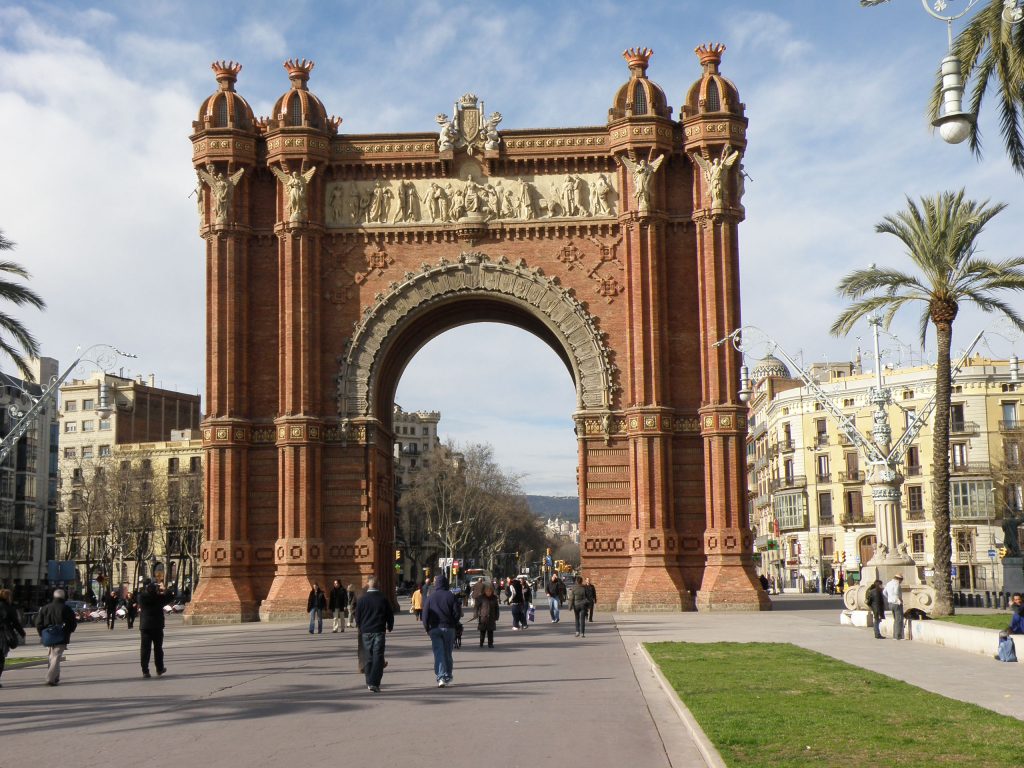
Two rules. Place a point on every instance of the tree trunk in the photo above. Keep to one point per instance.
(940, 456)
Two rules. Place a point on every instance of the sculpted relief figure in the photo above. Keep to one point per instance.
(296, 186)
(337, 205)
(570, 196)
(714, 170)
(602, 192)
(489, 131)
(437, 202)
(449, 134)
(380, 203)
(223, 189)
(408, 202)
(642, 172)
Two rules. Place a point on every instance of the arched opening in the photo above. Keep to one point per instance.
(866, 548)
(713, 103)
(485, 384)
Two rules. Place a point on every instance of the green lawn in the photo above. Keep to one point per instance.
(776, 705)
(987, 620)
(22, 661)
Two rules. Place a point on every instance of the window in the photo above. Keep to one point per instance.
(70, 453)
(828, 546)
(88, 425)
(88, 405)
(822, 467)
(913, 461)
(789, 509)
(104, 450)
(87, 452)
(908, 417)
(104, 424)
(172, 465)
(847, 402)
(146, 465)
(958, 452)
(824, 507)
(854, 506)
(70, 426)
(957, 390)
(1011, 450)
(125, 465)
(818, 407)
(640, 99)
(1014, 494)
(195, 464)
(713, 103)
(964, 541)
(295, 110)
(915, 498)
(787, 469)
(908, 394)
(917, 542)
(71, 405)
(220, 119)
(426, 431)
(956, 417)
(76, 475)
(971, 499)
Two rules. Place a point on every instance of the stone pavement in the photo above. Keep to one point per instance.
(261, 694)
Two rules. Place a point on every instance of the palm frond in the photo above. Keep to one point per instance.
(861, 309)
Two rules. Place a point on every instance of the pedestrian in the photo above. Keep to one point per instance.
(55, 622)
(315, 605)
(515, 601)
(10, 627)
(152, 600)
(875, 597)
(591, 598)
(763, 581)
(830, 584)
(110, 602)
(487, 612)
(338, 606)
(417, 603)
(131, 610)
(842, 585)
(578, 604)
(374, 617)
(351, 605)
(894, 597)
(556, 596)
(441, 614)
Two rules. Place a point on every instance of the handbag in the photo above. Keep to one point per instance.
(532, 615)
(53, 635)
(11, 638)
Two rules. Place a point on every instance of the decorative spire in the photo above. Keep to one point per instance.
(227, 73)
(710, 55)
(637, 59)
(298, 72)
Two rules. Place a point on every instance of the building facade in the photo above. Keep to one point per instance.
(617, 244)
(28, 486)
(807, 482)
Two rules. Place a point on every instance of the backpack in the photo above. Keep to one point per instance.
(1006, 650)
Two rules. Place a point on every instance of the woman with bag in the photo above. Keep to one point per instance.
(10, 627)
(487, 612)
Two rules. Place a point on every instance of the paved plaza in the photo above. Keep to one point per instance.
(260, 694)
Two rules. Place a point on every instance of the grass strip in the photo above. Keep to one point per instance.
(22, 661)
(986, 620)
(777, 705)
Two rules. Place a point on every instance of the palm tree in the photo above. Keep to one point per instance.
(939, 236)
(992, 52)
(24, 345)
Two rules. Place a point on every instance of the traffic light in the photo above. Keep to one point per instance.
(840, 556)
(1002, 552)
(398, 559)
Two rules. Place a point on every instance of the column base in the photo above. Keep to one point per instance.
(288, 597)
(731, 587)
(652, 585)
(222, 600)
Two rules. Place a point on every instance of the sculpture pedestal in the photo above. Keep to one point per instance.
(1013, 574)
(916, 595)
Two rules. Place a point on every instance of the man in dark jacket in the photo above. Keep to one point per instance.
(441, 613)
(338, 605)
(56, 617)
(110, 601)
(374, 617)
(151, 603)
(875, 597)
(578, 604)
(517, 602)
(315, 605)
(556, 596)
(591, 598)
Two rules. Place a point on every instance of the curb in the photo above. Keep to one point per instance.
(703, 743)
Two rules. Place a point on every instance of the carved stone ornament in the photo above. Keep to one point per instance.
(468, 128)
(474, 275)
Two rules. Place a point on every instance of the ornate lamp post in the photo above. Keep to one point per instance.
(885, 479)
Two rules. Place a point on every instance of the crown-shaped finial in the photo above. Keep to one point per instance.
(637, 59)
(710, 53)
(227, 73)
(298, 71)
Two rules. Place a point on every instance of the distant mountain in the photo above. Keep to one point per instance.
(562, 507)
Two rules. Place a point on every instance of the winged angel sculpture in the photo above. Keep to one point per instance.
(642, 171)
(296, 185)
(714, 170)
(223, 189)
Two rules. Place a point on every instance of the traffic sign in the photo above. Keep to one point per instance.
(953, 571)
(992, 554)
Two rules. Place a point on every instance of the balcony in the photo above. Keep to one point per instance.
(844, 440)
(915, 513)
(857, 518)
(786, 446)
(851, 476)
(963, 428)
(1012, 425)
(979, 510)
(823, 478)
(820, 440)
(914, 471)
(779, 483)
(971, 468)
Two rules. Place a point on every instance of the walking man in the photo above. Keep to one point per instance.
(894, 597)
(351, 613)
(55, 622)
(151, 626)
(338, 606)
(441, 613)
(516, 601)
(591, 598)
(578, 604)
(374, 617)
(556, 596)
(110, 606)
(875, 597)
(316, 604)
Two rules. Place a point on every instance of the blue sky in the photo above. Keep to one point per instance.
(97, 106)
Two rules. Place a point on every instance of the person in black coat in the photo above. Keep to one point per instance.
(374, 617)
(875, 597)
(9, 622)
(151, 626)
(591, 598)
(110, 601)
(315, 605)
(441, 613)
(338, 606)
(56, 616)
(131, 609)
(487, 612)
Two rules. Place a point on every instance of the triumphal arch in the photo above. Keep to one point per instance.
(332, 258)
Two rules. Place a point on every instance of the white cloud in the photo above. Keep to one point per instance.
(263, 38)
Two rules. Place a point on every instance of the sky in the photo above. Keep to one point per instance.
(97, 103)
